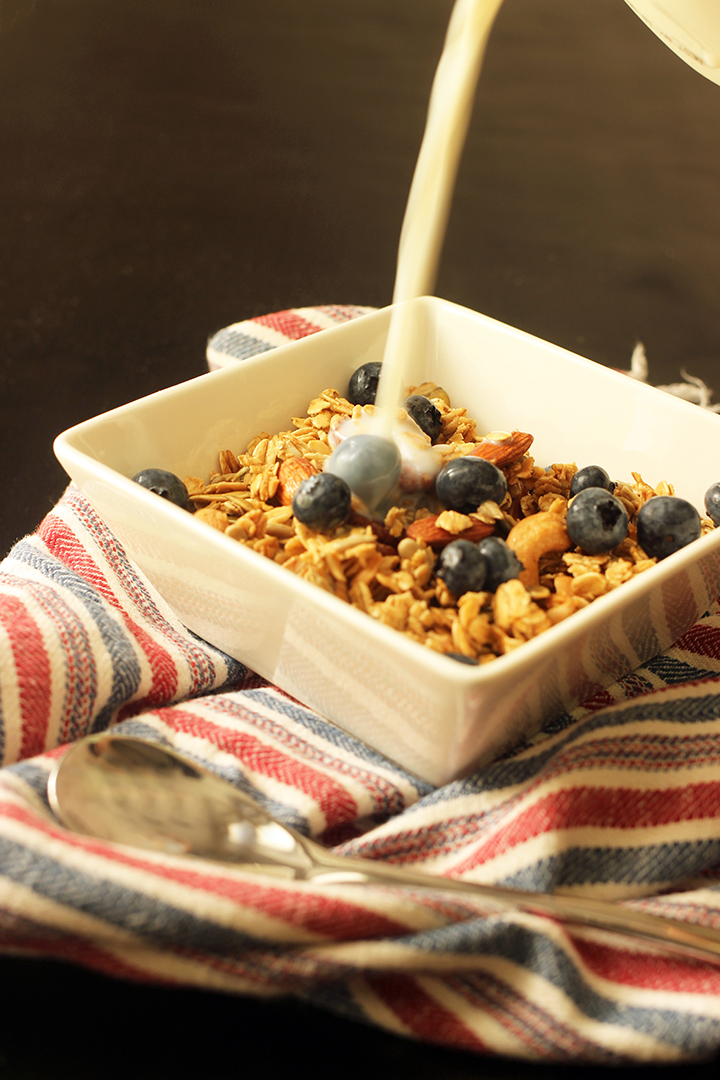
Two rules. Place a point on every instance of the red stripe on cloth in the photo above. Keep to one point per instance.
(626, 967)
(606, 808)
(336, 803)
(288, 323)
(701, 640)
(601, 700)
(32, 668)
(65, 546)
(319, 913)
(422, 1015)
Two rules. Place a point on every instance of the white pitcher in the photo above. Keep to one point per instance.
(691, 28)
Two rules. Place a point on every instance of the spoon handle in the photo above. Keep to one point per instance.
(685, 939)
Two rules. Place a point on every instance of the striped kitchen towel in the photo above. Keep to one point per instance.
(619, 800)
(265, 332)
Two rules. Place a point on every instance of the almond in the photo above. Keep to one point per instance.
(428, 530)
(291, 474)
(505, 451)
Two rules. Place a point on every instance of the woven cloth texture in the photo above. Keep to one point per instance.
(620, 800)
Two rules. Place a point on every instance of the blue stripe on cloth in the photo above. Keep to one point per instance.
(636, 683)
(35, 777)
(201, 661)
(155, 920)
(376, 778)
(237, 672)
(535, 1027)
(642, 864)
(535, 952)
(673, 671)
(512, 772)
(629, 686)
(335, 996)
(237, 344)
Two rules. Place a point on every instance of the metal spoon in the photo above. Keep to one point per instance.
(131, 791)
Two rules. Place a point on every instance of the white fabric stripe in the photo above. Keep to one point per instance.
(10, 702)
(329, 750)
(500, 1025)
(165, 966)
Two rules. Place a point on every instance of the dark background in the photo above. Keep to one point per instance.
(172, 166)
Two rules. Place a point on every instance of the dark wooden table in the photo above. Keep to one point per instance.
(167, 168)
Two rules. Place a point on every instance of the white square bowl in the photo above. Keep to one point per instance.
(436, 717)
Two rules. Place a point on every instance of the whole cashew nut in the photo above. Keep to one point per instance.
(532, 537)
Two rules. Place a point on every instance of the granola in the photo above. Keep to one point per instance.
(387, 568)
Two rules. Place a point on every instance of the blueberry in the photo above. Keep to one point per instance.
(503, 563)
(369, 464)
(462, 567)
(665, 524)
(364, 383)
(590, 476)
(596, 521)
(322, 501)
(467, 482)
(426, 415)
(163, 483)
(712, 503)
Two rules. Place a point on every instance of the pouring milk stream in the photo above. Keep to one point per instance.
(690, 27)
(428, 206)
(366, 460)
